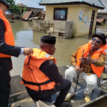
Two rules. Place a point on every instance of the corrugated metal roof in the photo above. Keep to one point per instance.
(100, 20)
(105, 10)
(26, 15)
(97, 3)
(43, 12)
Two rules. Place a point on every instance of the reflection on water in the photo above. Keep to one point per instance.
(26, 37)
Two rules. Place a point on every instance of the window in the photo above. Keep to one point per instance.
(60, 13)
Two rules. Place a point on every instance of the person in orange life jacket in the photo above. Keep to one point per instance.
(89, 61)
(42, 68)
(7, 49)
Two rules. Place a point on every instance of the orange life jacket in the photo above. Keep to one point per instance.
(33, 77)
(83, 52)
(9, 38)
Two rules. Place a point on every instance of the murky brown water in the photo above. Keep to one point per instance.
(26, 37)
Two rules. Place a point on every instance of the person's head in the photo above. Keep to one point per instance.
(3, 6)
(98, 40)
(47, 44)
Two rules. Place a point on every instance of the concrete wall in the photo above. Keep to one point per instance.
(106, 21)
(84, 27)
(101, 15)
(79, 27)
(56, 28)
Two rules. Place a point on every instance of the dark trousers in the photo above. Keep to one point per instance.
(46, 95)
(4, 88)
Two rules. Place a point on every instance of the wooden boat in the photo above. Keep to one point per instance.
(98, 97)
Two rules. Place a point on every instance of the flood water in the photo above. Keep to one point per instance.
(25, 36)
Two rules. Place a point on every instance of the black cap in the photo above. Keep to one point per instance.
(101, 36)
(48, 39)
(4, 2)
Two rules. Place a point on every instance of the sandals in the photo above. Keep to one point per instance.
(87, 98)
(68, 96)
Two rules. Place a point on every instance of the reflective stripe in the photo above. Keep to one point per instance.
(90, 41)
(99, 49)
(47, 55)
(105, 51)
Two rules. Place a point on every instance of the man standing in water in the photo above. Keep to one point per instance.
(7, 49)
(89, 61)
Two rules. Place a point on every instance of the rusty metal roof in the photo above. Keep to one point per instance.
(100, 20)
(26, 15)
(96, 3)
(43, 12)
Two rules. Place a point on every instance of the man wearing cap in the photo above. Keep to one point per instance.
(89, 62)
(7, 49)
(41, 76)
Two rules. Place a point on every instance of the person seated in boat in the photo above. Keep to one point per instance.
(41, 76)
(89, 62)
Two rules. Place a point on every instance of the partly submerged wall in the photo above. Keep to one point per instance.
(56, 28)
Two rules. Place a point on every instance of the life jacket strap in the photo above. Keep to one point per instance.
(29, 60)
(38, 84)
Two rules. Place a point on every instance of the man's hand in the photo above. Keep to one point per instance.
(28, 51)
(78, 69)
(87, 59)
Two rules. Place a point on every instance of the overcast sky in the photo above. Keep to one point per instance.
(30, 3)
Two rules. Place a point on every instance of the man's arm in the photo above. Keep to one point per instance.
(50, 69)
(73, 57)
(101, 61)
(4, 48)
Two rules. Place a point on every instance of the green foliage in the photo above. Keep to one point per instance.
(104, 24)
(13, 8)
(24, 10)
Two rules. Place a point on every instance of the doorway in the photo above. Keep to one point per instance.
(91, 23)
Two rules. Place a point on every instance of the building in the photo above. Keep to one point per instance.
(41, 15)
(9, 15)
(102, 14)
(100, 21)
(83, 13)
(28, 15)
(35, 10)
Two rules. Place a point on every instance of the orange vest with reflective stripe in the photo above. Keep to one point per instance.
(9, 38)
(83, 52)
(32, 73)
